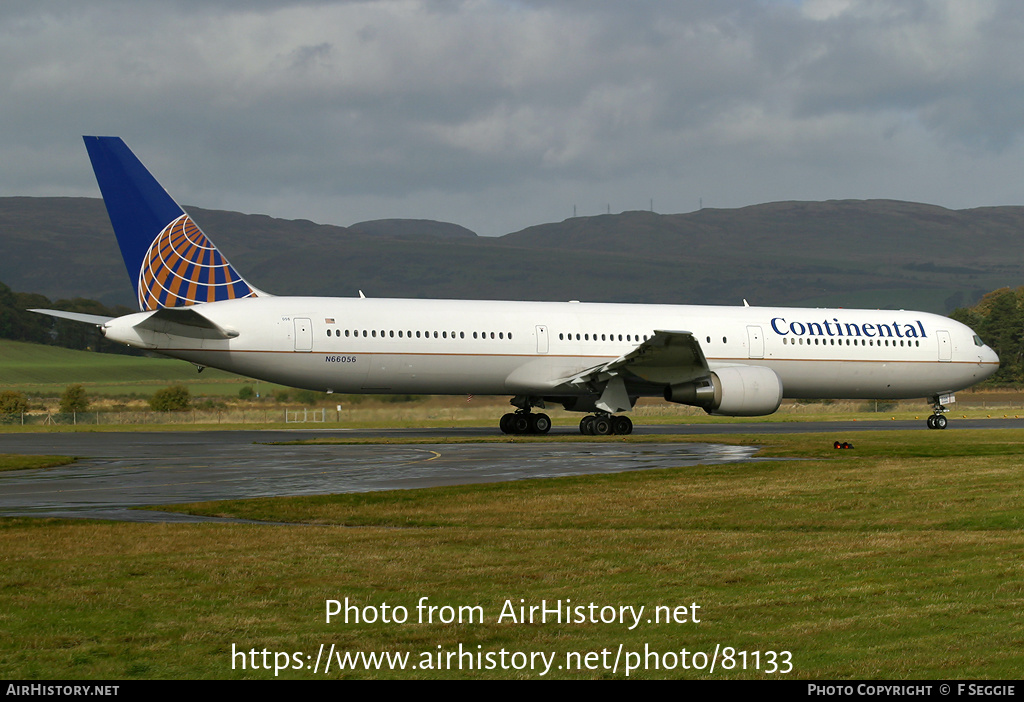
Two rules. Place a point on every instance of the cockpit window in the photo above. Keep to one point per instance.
(978, 341)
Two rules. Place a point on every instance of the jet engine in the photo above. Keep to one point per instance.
(736, 391)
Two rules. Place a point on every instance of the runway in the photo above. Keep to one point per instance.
(117, 471)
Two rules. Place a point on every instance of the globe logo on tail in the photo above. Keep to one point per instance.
(182, 267)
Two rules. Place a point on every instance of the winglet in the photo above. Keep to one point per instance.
(169, 259)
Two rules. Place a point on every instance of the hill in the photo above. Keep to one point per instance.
(412, 228)
(876, 253)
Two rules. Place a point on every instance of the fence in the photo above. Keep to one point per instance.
(143, 417)
(305, 415)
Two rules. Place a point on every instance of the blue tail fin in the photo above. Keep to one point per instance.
(169, 259)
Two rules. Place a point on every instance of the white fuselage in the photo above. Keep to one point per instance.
(360, 345)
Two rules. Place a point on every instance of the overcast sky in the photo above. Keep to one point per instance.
(497, 115)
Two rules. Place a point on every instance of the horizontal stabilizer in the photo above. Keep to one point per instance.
(185, 321)
(96, 319)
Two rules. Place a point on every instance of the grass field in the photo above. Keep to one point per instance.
(34, 368)
(15, 462)
(897, 559)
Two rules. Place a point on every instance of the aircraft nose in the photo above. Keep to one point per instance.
(990, 359)
(990, 356)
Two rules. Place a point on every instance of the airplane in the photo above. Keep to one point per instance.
(593, 358)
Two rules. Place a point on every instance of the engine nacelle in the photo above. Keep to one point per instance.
(736, 391)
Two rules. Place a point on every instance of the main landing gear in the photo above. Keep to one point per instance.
(605, 425)
(525, 422)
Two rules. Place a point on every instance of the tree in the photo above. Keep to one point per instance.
(74, 399)
(999, 320)
(173, 398)
(306, 397)
(12, 403)
(246, 393)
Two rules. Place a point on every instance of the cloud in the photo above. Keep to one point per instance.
(500, 114)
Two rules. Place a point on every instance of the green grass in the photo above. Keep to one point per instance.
(38, 368)
(897, 559)
(9, 461)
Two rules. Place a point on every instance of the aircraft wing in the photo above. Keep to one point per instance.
(667, 358)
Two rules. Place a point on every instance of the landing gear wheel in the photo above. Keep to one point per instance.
(622, 425)
(937, 421)
(520, 423)
(523, 421)
(605, 425)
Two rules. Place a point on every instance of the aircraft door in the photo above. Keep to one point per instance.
(542, 338)
(755, 340)
(945, 345)
(303, 334)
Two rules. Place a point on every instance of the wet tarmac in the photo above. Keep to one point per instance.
(118, 471)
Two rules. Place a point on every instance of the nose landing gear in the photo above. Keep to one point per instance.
(938, 419)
